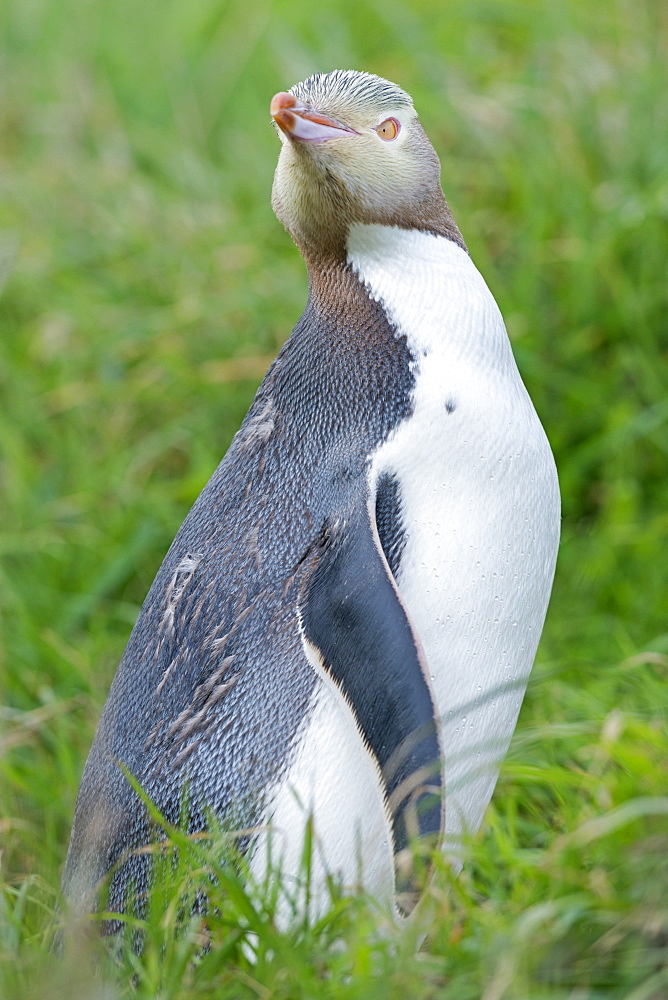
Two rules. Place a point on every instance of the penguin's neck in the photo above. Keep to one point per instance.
(323, 239)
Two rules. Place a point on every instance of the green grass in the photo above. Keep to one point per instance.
(146, 284)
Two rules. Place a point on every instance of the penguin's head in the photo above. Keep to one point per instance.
(353, 151)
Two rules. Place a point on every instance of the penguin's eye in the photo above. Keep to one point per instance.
(389, 129)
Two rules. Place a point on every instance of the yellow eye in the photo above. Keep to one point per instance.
(389, 129)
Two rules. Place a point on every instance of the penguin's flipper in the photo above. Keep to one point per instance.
(357, 628)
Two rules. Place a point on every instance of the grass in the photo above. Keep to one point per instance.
(146, 285)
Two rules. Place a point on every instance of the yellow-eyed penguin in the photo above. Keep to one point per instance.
(345, 623)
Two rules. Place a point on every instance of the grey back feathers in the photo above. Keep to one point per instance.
(214, 685)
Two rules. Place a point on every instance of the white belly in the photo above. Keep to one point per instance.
(479, 499)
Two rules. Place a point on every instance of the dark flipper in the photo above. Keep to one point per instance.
(353, 616)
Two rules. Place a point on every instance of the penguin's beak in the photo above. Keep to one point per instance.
(297, 121)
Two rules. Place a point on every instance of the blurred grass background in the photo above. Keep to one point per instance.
(145, 286)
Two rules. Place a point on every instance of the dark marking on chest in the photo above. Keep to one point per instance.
(388, 520)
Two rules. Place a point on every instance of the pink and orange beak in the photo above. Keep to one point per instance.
(298, 121)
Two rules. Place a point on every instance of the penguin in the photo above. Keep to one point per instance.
(343, 628)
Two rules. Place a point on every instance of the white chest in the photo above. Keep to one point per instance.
(480, 502)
